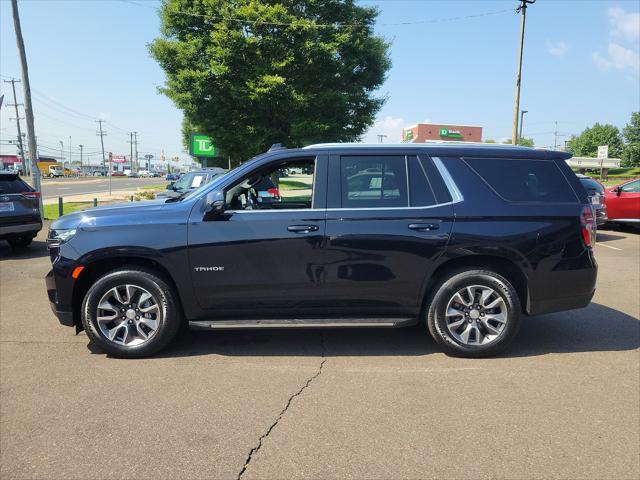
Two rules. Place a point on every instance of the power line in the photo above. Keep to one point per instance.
(310, 23)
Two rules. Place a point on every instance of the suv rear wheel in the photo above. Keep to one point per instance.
(131, 313)
(474, 313)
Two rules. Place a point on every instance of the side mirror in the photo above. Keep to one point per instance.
(618, 191)
(170, 186)
(214, 202)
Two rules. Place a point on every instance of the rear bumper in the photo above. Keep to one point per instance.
(560, 304)
(13, 231)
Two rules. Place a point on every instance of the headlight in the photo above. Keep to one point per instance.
(58, 237)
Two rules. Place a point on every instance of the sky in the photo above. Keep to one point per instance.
(454, 63)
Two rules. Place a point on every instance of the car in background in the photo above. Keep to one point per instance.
(144, 173)
(132, 174)
(595, 192)
(117, 174)
(623, 202)
(19, 210)
(172, 177)
(190, 182)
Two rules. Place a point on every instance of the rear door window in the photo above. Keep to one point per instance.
(373, 181)
(524, 180)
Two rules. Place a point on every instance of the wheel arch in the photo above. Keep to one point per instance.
(500, 265)
(95, 269)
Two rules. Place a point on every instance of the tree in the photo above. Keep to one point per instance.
(251, 73)
(586, 144)
(489, 140)
(631, 133)
(524, 142)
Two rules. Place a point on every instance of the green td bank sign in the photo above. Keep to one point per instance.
(446, 133)
(202, 146)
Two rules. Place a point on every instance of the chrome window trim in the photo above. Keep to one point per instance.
(289, 210)
(448, 181)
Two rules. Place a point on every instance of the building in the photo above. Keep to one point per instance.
(14, 162)
(423, 132)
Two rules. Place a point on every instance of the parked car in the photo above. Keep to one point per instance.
(623, 202)
(117, 174)
(132, 174)
(172, 177)
(190, 182)
(595, 192)
(465, 240)
(19, 210)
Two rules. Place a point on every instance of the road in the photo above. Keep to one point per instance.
(60, 187)
(376, 404)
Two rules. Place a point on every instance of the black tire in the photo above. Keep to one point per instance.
(170, 316)
(20, 242)
(447, 288)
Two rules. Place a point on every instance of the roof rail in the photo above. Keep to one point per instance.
(276, 146)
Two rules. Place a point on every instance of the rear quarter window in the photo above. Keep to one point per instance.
(524, 180)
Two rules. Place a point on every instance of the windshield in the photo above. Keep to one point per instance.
(214, 179)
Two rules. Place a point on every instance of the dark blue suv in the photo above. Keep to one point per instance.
(464, 239)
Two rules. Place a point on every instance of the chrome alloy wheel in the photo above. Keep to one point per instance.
(476, 315)
(128, 315)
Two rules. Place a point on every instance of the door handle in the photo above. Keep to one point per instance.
(303, 228)
(424, 227)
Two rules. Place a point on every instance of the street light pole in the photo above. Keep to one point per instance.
(522, 112)
(522, 9)
(69, 152)
(62, 155)
(81, 146)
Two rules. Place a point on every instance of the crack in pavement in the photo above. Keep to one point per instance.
(255, 449)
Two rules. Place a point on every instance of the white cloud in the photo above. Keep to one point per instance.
(390, 126)
(559, 49)
(624, 24)
(617, 57)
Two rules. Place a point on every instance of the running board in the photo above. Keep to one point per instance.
(302, 323)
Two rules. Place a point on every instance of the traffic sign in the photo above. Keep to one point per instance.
(603, 151)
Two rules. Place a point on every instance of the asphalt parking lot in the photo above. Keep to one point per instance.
(563, 403)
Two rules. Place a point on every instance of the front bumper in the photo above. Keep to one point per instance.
(61, 308)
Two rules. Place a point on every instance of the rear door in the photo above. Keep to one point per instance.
(389, 218)
(18, 201)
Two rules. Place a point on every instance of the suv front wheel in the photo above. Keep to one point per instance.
(474, 313)
(131, 312)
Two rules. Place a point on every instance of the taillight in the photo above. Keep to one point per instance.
(587, 224)
(30, 194)
(274, 191)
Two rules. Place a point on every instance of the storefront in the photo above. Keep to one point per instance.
(423, 132)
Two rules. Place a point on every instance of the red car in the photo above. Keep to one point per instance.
(623, 202)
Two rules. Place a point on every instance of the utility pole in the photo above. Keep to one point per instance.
(101, 134)
(81, 146)
(522, 10)
(69, 152)
(555, 136)
(15, 104)
(381, 137)
(135, 135)
(522, 112)
(28, 109)
(131, 147)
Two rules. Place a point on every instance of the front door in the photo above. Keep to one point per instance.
(264, 253)
(389, 219)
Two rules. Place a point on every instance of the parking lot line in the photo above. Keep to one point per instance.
(608, 246)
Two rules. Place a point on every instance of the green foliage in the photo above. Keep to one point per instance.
(586, 144)
(527, 142)
(251, 73)
(631, 133)
(489, 140)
